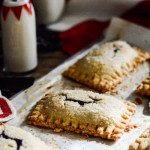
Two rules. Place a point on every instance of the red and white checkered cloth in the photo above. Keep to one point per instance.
(85, 21)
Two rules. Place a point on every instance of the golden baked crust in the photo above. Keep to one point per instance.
(143, 142)
(14, 138)
(83, 112)
(144, 88)
(104, 68)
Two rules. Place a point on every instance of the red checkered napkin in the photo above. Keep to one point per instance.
(7, 111)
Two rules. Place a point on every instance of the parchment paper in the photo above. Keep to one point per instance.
(26, 100)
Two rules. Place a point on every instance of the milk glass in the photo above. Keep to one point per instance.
(19, 36)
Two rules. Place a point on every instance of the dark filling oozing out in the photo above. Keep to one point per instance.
(18, 141)
(82, 103)
(115, 50)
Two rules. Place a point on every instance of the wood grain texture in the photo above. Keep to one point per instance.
(48, 61)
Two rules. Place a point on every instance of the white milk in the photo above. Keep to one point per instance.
(19, 39)
(48, 11)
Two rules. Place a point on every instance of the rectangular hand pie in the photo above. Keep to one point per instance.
(144, 88)
(104, 68)
(143, 142)
(83, 112)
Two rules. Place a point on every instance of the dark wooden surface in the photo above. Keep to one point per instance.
(48, 61)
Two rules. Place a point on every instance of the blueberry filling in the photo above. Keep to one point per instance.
(18, 141)
(115, 50)
(94, 99)
(79, 101)
(82, 103)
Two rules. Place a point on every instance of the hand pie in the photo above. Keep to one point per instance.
(13, 138)
(83, 112)
(143, 142)
(104, 68)
(144, 88)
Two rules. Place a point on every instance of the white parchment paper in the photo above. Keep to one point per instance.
(26, 100)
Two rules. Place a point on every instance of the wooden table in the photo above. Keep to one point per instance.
(48, 61)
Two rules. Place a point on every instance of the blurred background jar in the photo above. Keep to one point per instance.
(48, 11)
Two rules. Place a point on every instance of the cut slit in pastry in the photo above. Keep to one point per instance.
(83, 112)
(143, 142)
(144, 88)
(104, 68)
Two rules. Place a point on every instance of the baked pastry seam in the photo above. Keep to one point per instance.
(144, 88)
(83, 112)
(143, 142)
(104, 68)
